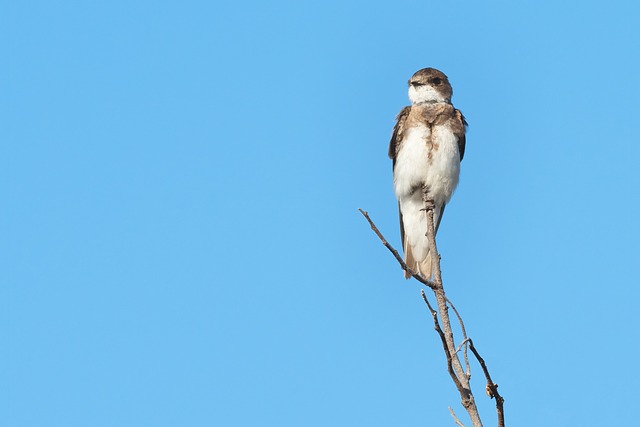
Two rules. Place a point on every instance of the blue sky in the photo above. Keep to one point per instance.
(180, 238)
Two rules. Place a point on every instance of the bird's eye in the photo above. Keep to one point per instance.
(417, 84)
(436, 80)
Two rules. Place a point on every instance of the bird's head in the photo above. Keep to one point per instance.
(429, 86)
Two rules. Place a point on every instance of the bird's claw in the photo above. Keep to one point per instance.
(429, 205)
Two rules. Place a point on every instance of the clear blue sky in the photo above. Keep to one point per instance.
(180, 241)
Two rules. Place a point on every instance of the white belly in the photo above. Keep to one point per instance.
(420, 162)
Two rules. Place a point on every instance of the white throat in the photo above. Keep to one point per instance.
(425, 94)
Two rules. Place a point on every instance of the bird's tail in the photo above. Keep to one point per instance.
(413, 227)
(423, 266)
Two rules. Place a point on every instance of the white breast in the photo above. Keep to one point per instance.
(414, 167)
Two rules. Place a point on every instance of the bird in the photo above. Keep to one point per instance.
(427, 146)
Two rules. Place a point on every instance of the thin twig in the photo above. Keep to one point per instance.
(492, 388)
(463, 391)
(455, 418)
(464, 339)
(424, 297)
(395, 253)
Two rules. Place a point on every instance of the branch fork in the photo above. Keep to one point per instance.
(459, 375)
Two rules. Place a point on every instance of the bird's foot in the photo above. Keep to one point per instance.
(429, 205)
(426, 199)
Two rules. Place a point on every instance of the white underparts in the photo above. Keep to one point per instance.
(428, 156)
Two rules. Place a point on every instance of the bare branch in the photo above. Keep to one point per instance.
(466, 395)
(461, 389)
(395, 253)
(492, 388)
(464, 339)
(459, 377)
(455, 418)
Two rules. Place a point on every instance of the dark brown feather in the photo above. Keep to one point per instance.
(440, 217)
(398, 133)
(401, 228)
(459, 125)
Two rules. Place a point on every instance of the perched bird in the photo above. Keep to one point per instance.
(427, 146)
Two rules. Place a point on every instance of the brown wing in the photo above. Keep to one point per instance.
(398, 133)
(404, 249)
(440, 217)
(459, 129)
(396, 139)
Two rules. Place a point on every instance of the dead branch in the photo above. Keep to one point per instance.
(455, 417)
(492, 388)
(395, 253)
(460, 378)
(461, 389)
(462, 382)
(464, 339)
